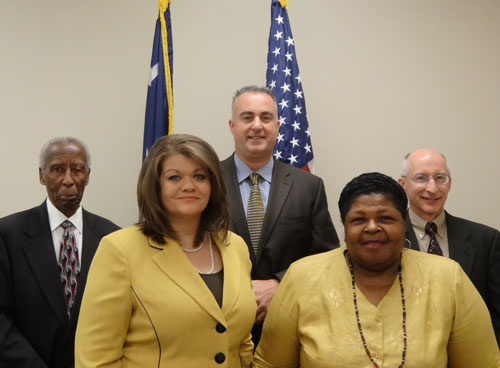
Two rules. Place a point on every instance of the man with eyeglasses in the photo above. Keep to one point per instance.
(476, 247)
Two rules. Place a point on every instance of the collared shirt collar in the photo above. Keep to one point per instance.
(56, 217)
(243, 171)
(419, 224)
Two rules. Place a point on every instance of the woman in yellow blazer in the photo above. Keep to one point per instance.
(373, 303)
(175, 289)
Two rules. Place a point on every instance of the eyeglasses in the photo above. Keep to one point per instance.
(421, 179)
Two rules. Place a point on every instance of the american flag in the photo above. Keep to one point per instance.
(293, 145)
(158, 120)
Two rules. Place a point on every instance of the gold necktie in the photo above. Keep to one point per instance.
(255, 212)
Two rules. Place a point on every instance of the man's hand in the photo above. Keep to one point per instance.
(264, 291)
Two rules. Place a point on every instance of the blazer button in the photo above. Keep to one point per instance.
(220, 328)
(220, 358)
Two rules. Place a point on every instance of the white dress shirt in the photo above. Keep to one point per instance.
(56, 218)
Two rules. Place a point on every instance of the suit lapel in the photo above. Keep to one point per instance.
(173, 263)
(231, 287)
(40, 254)
(458, 239)
(235, 205)
(280, 188)
(410, 235)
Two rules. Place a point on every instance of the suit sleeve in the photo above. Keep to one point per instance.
(493, 299)
(472, 340)
(106, 309)
(15, 350)
(323, 235)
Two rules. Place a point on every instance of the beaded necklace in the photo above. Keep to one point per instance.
(359, 322)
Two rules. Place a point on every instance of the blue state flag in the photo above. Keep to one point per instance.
(158, 120)
(293, 145)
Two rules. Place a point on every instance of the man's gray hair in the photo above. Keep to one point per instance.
(405, 166)
(253, 89)
(62, 140)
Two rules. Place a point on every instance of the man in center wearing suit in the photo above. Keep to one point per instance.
(45, 254)
(296, 221)
(426, 179)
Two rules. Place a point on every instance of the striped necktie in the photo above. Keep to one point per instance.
(431, 230)
(69, 263)
(255, 212)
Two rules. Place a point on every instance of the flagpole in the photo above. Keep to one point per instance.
(163, 6)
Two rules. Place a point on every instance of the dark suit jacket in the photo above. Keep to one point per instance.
(476, 247)
(297, 222)
(34, 327)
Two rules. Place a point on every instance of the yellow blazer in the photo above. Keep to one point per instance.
(146, 306)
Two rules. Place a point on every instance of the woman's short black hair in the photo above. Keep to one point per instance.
(373, 183)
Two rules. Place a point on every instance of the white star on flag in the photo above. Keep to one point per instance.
(285, 87)
(283, 103)
(297, 109)
(292, 159)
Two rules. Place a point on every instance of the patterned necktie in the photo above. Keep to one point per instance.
(255, 212)
(434, 248)
(69, 263)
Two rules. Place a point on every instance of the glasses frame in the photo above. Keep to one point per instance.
(416, 181)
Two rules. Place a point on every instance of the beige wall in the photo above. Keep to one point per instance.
(380, 78)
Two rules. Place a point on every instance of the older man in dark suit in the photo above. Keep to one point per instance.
(426, 179)
(45, 254)
(282, 212)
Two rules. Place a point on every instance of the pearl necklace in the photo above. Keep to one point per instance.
(212, 261)
(194, 250)
(359, 322)
(210, 247)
